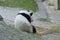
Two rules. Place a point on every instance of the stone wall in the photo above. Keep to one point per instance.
(51, 2)
(55, 3)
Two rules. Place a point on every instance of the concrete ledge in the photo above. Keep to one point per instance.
(53, 14)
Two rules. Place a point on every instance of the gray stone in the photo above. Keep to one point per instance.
(1, 18)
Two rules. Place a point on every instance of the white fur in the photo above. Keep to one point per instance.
(25, 11)
(22, 23)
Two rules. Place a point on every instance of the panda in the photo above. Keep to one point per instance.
(23, 21)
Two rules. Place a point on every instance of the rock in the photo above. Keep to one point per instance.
(1, 18)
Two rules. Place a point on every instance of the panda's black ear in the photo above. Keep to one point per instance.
(31, 14)
(28, 10)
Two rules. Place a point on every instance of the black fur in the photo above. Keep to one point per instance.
(26, 16)
(34, 29)
(31, 14)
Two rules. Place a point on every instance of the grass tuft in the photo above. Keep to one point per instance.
(44, 19)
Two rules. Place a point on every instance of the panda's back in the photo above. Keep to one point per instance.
(22, 23)
(21, 20)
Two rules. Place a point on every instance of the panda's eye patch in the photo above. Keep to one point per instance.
(31, 14)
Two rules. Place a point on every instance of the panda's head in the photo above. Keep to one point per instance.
(27, 14)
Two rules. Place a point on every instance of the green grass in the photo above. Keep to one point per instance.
(26, 4)
(44, 19)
